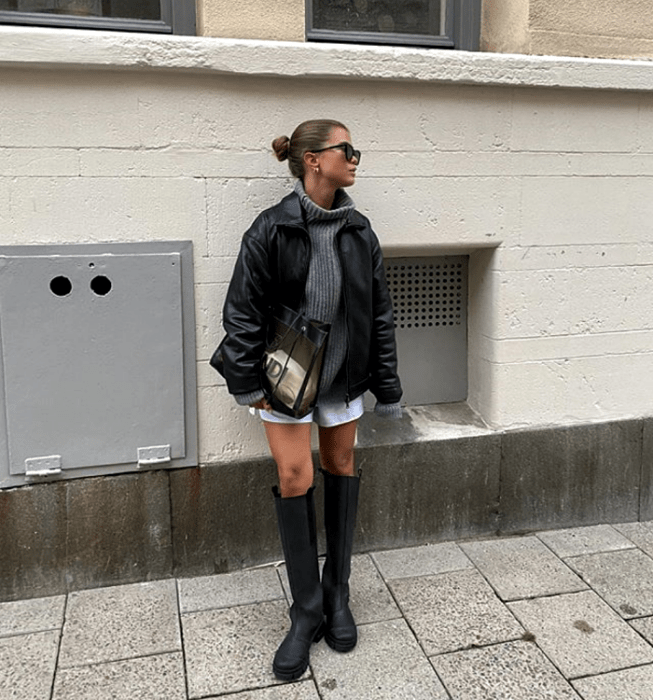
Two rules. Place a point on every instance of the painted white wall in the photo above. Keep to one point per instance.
(548, 190)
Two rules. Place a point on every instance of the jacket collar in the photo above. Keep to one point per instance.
(289, 212)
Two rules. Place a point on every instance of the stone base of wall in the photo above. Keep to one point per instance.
(85, 533)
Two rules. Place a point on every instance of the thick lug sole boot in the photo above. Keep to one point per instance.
(340, 509)
(296, 519)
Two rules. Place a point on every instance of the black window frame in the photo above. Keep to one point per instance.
(177, 17)
(462, 31)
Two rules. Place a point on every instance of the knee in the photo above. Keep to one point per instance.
(340, 462)
(295, 479)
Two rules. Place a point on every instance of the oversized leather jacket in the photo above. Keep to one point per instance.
(272, 268)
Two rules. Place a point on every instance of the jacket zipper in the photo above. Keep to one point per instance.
(343, 272)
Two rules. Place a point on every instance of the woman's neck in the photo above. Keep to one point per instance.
(321, 193)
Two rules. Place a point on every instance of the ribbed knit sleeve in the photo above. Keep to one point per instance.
(248, 399)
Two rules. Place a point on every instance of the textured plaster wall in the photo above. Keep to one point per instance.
(281, 20)
(598, 28)
(504, 26)
(547, 189)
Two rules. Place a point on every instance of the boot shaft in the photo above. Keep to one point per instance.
(298, 533)
(340, 511)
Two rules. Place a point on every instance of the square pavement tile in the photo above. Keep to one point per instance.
(27, 665)
(421, 561)
(640, 534)
(644, 626)
(121, 622)
(584, 540)
(622, 579)
(581, 634)
(227, 590)
(35, 615)
(150, 678)
(454, 611)
(386, 664)
(231, 650)
(370, 599)
(522, 567)
(630, 684)
(303, 690)
(511, 671)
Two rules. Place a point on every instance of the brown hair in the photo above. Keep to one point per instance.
(308, 136)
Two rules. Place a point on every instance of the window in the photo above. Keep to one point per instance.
(453, 24)
(163, 16)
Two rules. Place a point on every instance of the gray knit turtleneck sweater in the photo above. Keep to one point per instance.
(323, 296)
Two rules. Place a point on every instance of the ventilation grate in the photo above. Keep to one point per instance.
(427, 293)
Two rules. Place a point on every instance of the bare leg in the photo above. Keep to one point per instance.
(337, 448)
(290, 445)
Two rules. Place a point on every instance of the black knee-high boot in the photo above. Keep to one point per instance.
(340, 507)
(296, 518)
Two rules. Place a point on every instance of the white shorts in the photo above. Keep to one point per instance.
(325, 415)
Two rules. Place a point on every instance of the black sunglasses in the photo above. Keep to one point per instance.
(350, 151)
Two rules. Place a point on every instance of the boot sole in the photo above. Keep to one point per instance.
(290, 675)
(298, 671)
(336, 645)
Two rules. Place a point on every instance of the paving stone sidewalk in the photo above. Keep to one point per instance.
(564, 614)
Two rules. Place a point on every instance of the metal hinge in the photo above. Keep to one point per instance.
(151, 456)
(42, 467)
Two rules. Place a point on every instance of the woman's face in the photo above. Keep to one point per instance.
(334, 168)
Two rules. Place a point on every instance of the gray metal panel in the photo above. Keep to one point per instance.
(429, 297)
(92, 375)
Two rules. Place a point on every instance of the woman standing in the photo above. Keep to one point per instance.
(314, 253)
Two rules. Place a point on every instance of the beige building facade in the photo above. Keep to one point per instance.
(278, 20)
(584, 28)
(595, 28)
(537, 168)
(590, 28)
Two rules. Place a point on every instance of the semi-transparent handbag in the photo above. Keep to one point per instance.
(292, 363)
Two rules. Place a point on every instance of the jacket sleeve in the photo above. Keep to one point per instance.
(385, 382)
(245, 314)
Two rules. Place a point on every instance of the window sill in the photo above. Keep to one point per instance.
(22, 47)
(446, 421)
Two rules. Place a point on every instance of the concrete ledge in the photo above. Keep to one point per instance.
(84, 533)
(223, 517)
(571, 476)
(82, 49)
(437, 475)
(646, 486)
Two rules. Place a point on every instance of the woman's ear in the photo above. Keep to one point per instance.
(310, 160)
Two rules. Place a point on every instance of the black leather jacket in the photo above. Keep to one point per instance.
(272, 268)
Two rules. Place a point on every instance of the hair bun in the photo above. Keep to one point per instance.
(281, 147)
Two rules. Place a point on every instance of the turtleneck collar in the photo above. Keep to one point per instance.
(343, 204)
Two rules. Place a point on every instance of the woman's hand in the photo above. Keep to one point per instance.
(262, 404)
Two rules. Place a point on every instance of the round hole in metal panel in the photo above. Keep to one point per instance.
(61, 286)
(101, 285)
